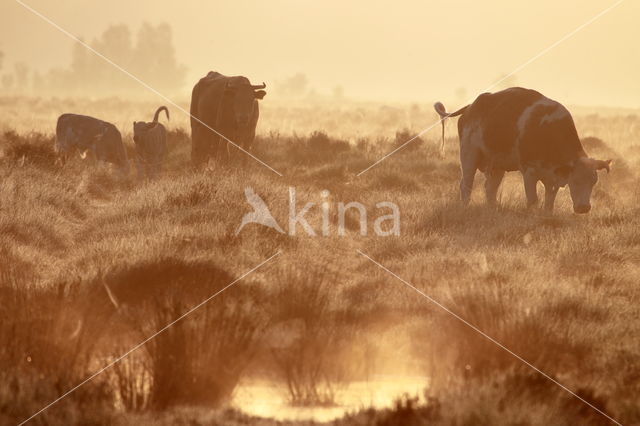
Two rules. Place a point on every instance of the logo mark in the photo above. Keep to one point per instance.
(260, 213)
(385, 225)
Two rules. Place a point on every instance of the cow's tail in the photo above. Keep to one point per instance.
(162, 108)
(442, 112)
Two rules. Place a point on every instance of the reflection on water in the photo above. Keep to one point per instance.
(266, 399)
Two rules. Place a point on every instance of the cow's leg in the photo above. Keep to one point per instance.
(249, 142)
(530, 184)
(158, 166)
(210, 148)
(469, 165)
(243, 155)
(151, 168)
(550, 192)
(200, 146)
(224, 153)
(493, 179)
(139, 166)
(234, 150)
(231, 151)
(196, 149)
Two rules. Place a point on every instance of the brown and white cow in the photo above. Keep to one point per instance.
(521, 129)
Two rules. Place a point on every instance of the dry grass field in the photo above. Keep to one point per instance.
(92, 263)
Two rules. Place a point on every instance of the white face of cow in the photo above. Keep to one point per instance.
(581, 178)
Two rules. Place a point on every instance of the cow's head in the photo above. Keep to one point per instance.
(67, 143)
(112, 147)
(140, 128)
(581, 175)
(243, 96)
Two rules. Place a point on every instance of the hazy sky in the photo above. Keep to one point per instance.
(401, 50)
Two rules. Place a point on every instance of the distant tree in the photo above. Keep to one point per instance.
(58, 81)
(21, 71)
(80, 69)
(295, 86)
(155, 58)
(38, 83)
(152, 58)
(8, 81)
(116, 44)
(1, 62)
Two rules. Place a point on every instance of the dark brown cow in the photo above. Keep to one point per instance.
(520, 129)
(229, 105)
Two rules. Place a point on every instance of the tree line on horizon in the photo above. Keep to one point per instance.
(150, 56)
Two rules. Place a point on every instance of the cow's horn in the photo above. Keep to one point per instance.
(258, 86)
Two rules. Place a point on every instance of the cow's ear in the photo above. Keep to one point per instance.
(603, 164)
(259, 94)
(563, 171)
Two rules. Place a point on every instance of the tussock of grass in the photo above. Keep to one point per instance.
(35, 148)
(403, 136)
(198, 361)
(51, 335)
(306, 359)
(393, 181)
(318, 148)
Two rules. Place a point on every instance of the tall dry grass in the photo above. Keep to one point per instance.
(558, 290)
(314, 338)
(196, 361)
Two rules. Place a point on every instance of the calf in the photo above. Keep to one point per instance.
(151, 145)
(90, 136)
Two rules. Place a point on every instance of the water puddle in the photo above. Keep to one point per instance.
(266, 399)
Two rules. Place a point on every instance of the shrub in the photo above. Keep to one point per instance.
(196, 360)
(50, 343)
(316, 149)
(404, 136)
(313, 361)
